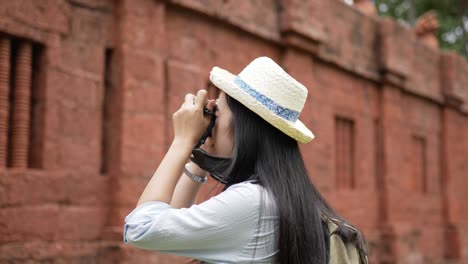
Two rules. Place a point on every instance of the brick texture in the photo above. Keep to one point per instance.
(405, 155)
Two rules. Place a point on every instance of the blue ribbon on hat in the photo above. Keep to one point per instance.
(283, 112)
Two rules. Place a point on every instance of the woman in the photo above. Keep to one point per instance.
(269, 211)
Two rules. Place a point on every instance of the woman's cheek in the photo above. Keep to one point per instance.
(218, 142)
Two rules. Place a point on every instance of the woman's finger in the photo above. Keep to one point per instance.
(189, 99)
(200, 99)
(210, 105)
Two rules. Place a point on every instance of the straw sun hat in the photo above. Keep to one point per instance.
(266, 89)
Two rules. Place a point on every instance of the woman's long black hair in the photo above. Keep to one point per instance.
(273, 159)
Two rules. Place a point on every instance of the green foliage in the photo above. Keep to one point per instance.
(451, 14)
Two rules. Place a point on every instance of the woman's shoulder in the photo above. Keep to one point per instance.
(246, 186)
(243, 192)
(251, 193)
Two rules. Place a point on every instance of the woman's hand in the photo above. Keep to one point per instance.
(189, 121)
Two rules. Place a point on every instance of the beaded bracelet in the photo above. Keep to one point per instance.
(195, 178)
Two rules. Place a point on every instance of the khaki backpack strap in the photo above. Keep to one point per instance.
(340, 252)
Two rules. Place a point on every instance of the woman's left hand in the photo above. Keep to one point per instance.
(189, 121)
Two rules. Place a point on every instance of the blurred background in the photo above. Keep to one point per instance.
(88, 88)
(451, 15)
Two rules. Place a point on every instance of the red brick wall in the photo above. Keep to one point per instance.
(118, 70)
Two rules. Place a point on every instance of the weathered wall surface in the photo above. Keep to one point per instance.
(390, 115)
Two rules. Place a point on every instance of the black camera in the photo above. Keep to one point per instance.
(215, 166)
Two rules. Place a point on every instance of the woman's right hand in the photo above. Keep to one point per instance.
(189, 121)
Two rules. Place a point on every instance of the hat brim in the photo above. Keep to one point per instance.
(224, 80)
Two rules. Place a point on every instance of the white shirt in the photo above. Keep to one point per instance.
(237, 226)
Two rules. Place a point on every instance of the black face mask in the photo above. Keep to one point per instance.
(215, 166)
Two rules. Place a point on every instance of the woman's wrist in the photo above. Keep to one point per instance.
(195, 169)
(195, 177)
(183, 144)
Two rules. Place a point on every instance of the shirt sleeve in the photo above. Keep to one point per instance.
(211, 231)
